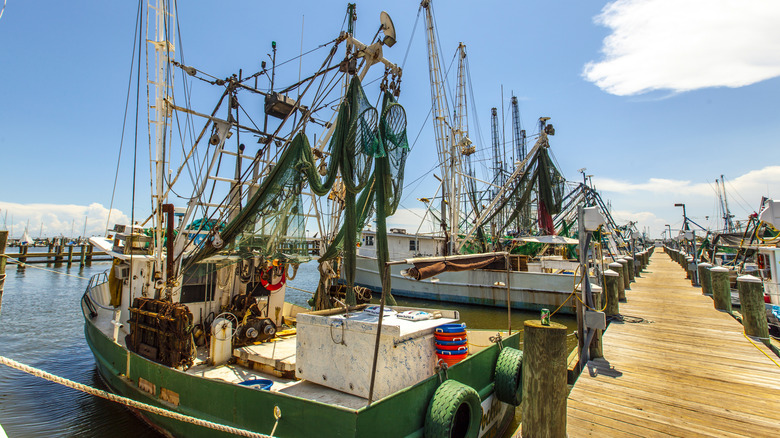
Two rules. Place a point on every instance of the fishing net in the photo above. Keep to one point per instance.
(382, 195)
(272, 224)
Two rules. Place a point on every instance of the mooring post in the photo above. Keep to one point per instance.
(618, 268)
(704, 278)
(721, 288)
(23, 254)
(631, 268)
(751, 297)
(58, 253)
(544, 380)
(3, 241)
(89, 254)
(638, 264)
(70, 255)
(49, 247)
(611, 280)
(691, 270)
(596, 349)
(83, 255)
(626, 279)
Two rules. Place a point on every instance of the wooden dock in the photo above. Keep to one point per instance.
(676, 368)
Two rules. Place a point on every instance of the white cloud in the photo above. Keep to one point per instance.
(635, 200)
(683, 45)
(410, 219)
(51, 220)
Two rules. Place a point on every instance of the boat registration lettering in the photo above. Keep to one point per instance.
(169, 396)
(147, 386)
(492, 411)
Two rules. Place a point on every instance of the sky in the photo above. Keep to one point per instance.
(653, 98)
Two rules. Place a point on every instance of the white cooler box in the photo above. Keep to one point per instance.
(338, 351)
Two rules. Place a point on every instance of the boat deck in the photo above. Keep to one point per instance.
(677, 367)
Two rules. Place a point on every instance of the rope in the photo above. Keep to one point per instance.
(25, 265)
(300, 290)
(759, 349)
(128, 402)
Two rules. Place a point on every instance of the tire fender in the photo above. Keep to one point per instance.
(454, 410)
(509, 376)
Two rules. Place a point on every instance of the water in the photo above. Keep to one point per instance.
(41, 325)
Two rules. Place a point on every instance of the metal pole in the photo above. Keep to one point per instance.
(376, 342)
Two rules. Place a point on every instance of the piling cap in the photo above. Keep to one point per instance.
(628, 258)
(705, 265)
(615, 265)
(611, 273)
(622, 261)
(719, 269)
(689, 258)
(595, 288)
(749, 279)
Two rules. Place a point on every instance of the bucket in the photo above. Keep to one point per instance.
(451, 342)
(451, 357)
(450, 336)
(258, 383)
(452, 348)
(451, 328)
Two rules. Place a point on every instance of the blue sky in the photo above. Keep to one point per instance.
(656, 99)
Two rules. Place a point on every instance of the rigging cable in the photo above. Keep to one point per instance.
(124, 117)
(411, 38)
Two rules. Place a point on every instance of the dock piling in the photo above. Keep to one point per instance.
(631, 268)
(621, 285)
(626, 278)
(545, 390)
(751, 297)
(611, 279)
(721, 288)
(596, 349)
(704, 278)
(83, 255)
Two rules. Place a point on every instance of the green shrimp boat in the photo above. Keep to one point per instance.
(191, 317)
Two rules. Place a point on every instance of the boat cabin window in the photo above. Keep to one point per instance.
(198, 284)
(369, 240)
(412, 245)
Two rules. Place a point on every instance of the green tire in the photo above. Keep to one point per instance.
(455, 410)
(509, 376)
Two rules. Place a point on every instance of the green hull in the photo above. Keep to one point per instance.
(399, 415)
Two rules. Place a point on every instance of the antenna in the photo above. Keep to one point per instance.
(388, 28)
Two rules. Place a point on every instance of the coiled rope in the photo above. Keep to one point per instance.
(128, 402)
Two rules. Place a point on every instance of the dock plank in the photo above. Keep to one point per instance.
(684, 370)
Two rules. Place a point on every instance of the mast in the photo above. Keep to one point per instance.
(449, 159)
(461, 129)
(159, 115)
(497, 158)
(726, 212)
(519, 139)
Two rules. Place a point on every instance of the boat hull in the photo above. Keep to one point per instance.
(398, 415)
(528, 290)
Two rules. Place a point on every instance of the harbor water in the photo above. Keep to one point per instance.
(41, 325)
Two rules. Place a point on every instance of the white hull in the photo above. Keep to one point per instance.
(527, 290)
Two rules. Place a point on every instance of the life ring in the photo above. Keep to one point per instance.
(454, 410)
(509, 376)
(272, 285)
